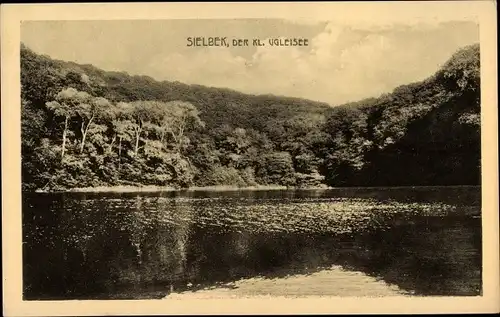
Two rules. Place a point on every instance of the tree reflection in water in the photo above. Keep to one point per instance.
(145, 245)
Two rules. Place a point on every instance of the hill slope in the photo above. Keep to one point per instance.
(424, 133)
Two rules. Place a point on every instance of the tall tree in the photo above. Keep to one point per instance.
(66, 105)
(139, 113)
(89, 111)
(179, 116)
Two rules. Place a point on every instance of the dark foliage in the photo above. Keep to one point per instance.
(82, 126)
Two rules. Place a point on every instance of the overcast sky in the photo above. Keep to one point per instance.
(343, 62)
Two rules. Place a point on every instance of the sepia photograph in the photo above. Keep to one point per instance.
(178, 158)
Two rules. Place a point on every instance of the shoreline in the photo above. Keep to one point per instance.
(131, 189)
(147, 188)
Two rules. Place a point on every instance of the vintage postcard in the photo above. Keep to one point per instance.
(262, 158)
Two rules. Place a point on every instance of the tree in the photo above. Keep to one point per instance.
(122, 126)
(66, 106)
(176, 117)
(344, 155)
(39, 80)
(139, 113)
(89, 111)
(32, 124)
(276, 168)
(462, 70)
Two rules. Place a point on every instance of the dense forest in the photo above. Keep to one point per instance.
(85, 127)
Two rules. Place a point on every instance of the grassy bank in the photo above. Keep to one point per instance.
(128, 189)
(149, 188)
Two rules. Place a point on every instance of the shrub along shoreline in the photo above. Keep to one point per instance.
(220, 188)
(149, 188)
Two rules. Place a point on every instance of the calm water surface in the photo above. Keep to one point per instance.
(427, 241)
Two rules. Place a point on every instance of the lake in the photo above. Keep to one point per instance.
(424, 240)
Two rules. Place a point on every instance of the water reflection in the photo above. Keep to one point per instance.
(144, 245)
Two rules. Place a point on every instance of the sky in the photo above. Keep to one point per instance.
(343, 62)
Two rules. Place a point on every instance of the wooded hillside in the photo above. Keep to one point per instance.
(82, 126)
